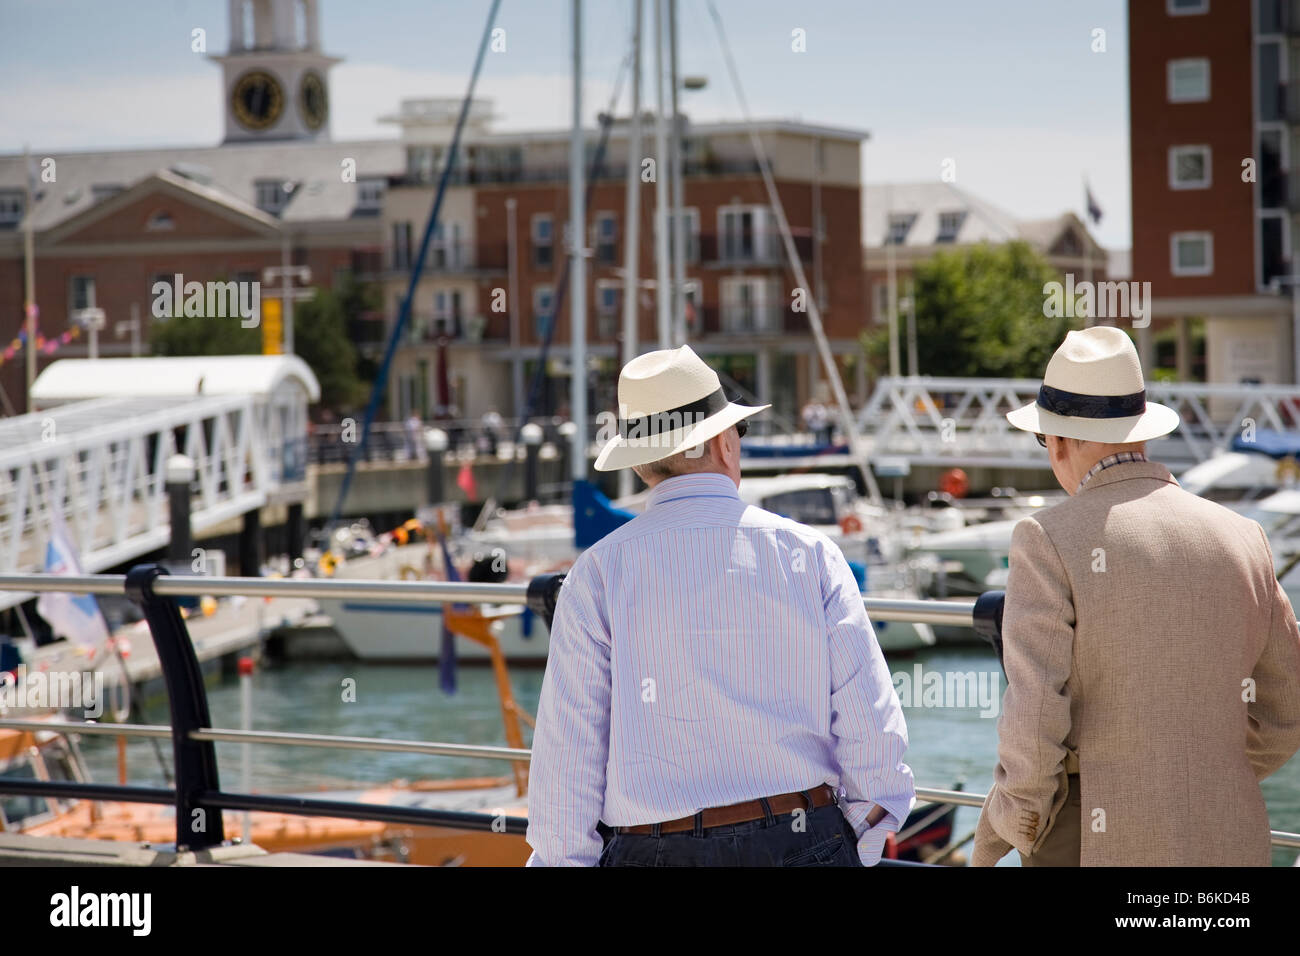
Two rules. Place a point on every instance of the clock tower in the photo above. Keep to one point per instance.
(275, 78)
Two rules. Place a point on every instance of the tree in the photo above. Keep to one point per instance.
(320, 339)
(979, 314)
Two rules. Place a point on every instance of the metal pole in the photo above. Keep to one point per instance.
(675, 185)
(662, 291)
(286, 297)
(632, 218)
(29, 279)
(895, 362)
(1295, 315)
(512, 283)
(913, 361)
(246, 749)
(578, 264)
(135, 330)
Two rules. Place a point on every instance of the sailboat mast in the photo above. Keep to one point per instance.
(663, 164)
(675, 187)
(632, 217)
(577, 264)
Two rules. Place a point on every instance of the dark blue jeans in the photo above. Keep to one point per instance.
(821, 837)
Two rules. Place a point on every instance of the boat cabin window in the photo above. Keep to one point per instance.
(806, 505)
(14, 809)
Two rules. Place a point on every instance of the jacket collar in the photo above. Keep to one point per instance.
(703, 484)
(1127, 470)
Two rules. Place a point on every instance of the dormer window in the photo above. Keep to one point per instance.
(12, 202)
(273, 195)
(900, 224)
(102, 191)
(950, 224)
(370, 194)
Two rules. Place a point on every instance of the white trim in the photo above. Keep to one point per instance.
(761, 214)
(1169, 79)
(1173, 12)
(1204, 183)
(1207, 269)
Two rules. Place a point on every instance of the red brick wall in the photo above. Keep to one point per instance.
(1224, 123)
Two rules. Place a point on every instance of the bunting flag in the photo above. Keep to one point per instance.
(465, 482)
(48, 346)
(74, 616)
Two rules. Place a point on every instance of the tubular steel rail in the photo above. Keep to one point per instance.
(198, 797)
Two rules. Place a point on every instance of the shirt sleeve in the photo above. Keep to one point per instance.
(566, 787)
(1029, 782)
(867, 726)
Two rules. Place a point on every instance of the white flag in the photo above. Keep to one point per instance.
(74, 616)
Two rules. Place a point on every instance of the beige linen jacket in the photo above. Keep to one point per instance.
(1144, 631)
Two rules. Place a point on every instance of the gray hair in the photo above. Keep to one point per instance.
(698, 458)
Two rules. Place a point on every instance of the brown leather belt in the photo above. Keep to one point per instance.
(742, 812)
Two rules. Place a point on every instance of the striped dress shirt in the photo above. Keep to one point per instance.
(703, 654)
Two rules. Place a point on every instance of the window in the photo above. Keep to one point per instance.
(401, 245)
(543, 234)
(1189, 167)
(1185, 8)
(608, 296)
(691, 232)
(160, 221)
(1192, 254)
(743, 233)
(900, 224)
(11, 207)
(749, 304)
(543, 310)
(1268, 16)
(1271, 86)
(1272, 244)
(102, 191)
(950, 224)
(1189, 80)
(81, 293)
(447, 312)
(370, 194)
(272, 195)
(606, 238)
(1272, 169)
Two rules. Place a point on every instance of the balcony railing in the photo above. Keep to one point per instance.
(751, 319)
(449, 258)
(763, 249)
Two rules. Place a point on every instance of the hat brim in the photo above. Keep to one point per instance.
(620, 452)
(1156, 421)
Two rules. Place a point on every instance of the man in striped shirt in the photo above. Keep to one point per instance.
(715, 693)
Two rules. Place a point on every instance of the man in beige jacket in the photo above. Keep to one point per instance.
(1152, 659)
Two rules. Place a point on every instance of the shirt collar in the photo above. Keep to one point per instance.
(703, 484)
(1110, 461)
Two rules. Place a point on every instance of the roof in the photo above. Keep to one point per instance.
(70, 380)
(232, 170)
(983, 221)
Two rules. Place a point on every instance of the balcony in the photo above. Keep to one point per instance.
(741, 320)
(730, 250)
(426, 328)
(453, 258)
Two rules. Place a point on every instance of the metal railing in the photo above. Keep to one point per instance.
(197, 786)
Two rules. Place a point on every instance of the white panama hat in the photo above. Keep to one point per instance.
(1093, 390)
(668, 401)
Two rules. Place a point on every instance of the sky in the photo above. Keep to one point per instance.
(1018, 93)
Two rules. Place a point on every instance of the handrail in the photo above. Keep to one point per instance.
(960, 798)
(957, 613)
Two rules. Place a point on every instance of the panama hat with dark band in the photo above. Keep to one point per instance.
(1093, 390)
(669, 401)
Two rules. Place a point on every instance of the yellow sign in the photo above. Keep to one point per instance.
(272, 327)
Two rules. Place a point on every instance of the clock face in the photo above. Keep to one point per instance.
(258, 100)
(313, 103)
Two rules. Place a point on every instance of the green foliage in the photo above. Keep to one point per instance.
(979, 313)
(321, 339)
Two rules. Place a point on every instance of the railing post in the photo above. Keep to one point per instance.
(197, 826)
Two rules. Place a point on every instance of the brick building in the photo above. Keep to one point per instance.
(1213, 113)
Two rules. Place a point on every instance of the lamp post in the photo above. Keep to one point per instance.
(92, 320)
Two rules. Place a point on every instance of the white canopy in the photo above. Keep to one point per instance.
(71, 380)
